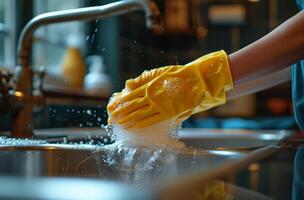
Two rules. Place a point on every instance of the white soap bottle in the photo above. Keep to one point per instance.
(97, 81)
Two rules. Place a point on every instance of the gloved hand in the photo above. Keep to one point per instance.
(172, 92)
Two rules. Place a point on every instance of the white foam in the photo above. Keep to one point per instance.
(161, 134)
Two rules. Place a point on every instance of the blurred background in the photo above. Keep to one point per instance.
(124, 48)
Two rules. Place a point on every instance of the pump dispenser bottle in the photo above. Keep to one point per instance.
(97, 80)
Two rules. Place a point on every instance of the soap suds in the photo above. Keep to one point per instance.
(162, 134)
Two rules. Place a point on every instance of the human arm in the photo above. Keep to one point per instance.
(273, 52)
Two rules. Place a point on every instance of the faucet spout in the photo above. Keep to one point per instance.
(22, 120)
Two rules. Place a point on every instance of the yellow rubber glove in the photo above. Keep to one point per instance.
(172, 92)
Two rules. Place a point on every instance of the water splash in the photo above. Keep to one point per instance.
(139, 166)
(7, 141)
(163, 134)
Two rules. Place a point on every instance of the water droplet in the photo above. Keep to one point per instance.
(89, 112)
(92, 41)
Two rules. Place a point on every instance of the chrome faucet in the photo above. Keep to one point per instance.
(23, 76)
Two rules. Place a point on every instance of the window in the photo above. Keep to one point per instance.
(52, 39)
(7, 33)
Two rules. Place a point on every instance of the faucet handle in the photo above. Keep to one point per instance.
(40, 75)
(39, 100)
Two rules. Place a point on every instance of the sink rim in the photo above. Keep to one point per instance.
(177, 185)
(94, 148)
(207, 137)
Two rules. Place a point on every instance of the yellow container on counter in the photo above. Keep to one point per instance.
(73, 67)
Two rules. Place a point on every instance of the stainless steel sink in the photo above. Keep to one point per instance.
(138, 165)
(168, 173)
(131, 165)
(138, 173)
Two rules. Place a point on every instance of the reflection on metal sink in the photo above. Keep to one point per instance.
(173, 174)
(132, 165)
(157, 174)
(129, 164)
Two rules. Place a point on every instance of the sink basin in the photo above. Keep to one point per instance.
(169, 173)
(136, 165)
(131, 165)
(141, 168)
(88, 170)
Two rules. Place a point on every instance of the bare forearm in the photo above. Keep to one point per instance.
(279, 49)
